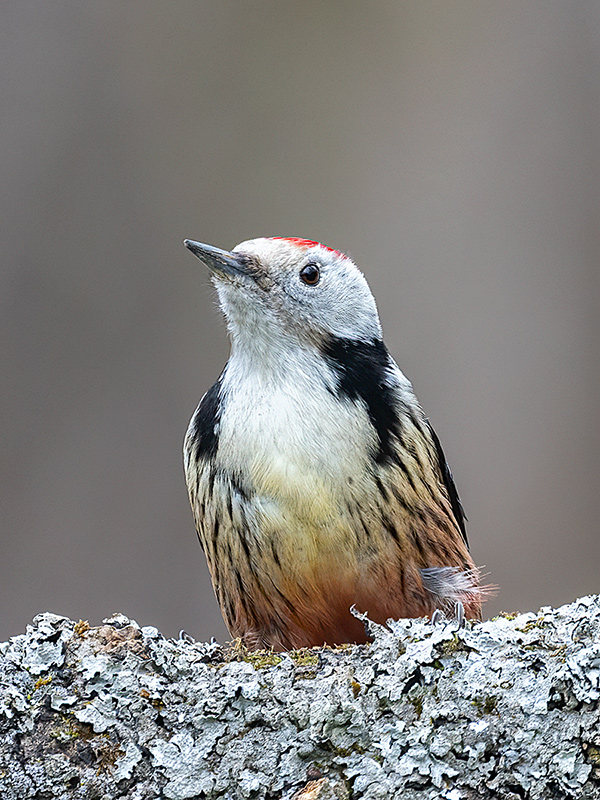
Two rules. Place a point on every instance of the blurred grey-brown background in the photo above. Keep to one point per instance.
(451, 148)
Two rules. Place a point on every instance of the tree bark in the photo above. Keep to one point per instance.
(501, 709)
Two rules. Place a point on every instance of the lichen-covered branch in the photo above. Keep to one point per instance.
(504, 709)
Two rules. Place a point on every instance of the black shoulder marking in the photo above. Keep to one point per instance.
(204, 427)
(362, 374)
(448, 480)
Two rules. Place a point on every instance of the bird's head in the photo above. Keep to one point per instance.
(279, 289)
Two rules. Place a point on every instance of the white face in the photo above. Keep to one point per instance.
(302, 290)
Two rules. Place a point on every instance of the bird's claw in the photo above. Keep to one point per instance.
(438, 617)
(459, 615)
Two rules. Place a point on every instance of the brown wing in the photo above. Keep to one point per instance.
(448, 481)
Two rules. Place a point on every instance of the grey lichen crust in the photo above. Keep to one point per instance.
(505, 709)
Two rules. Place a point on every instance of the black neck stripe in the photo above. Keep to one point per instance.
(205, 424)
(362, 369)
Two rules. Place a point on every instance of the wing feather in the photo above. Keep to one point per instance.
(448, 481)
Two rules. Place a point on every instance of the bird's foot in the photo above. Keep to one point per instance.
(439, 618)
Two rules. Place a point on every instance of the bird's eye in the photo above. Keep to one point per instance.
(310, 274)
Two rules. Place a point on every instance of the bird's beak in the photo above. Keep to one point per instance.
(221, 262)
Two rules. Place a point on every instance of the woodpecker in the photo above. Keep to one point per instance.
(316, 482)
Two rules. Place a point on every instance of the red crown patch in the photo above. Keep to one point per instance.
(308, 243)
